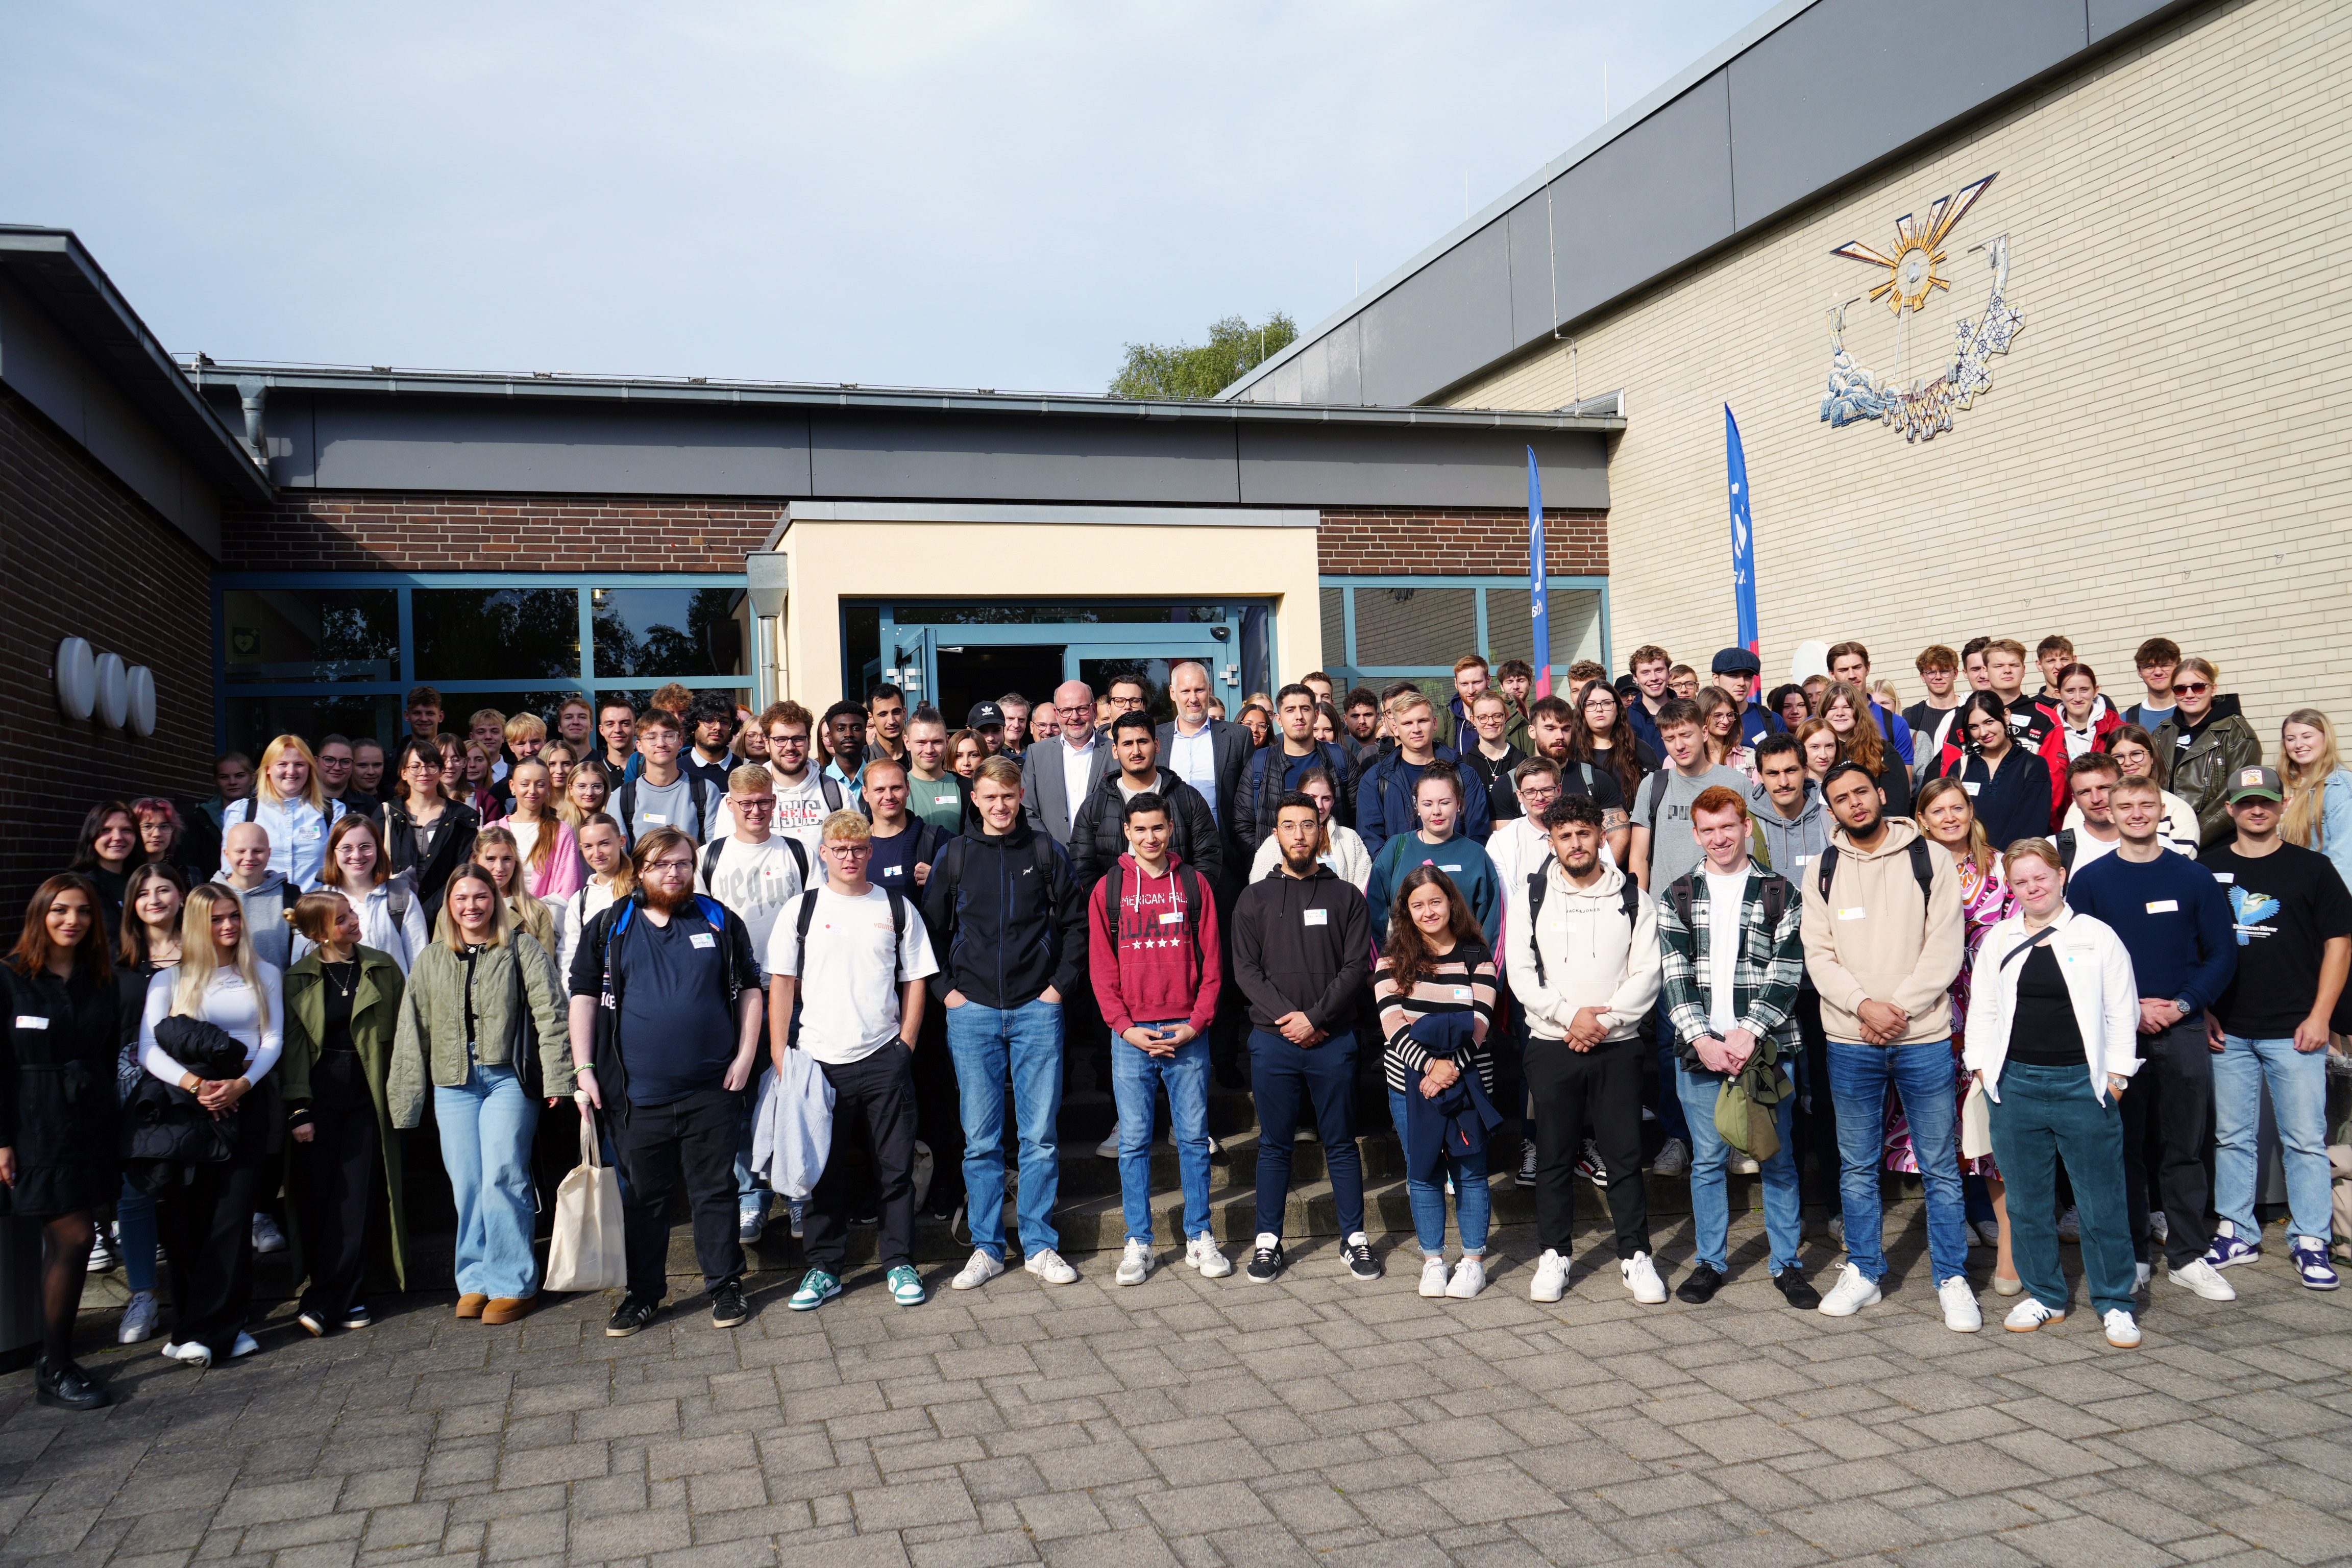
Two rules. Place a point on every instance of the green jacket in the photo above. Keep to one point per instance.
(509, 1009)
(375, 1021)
(2200, 774)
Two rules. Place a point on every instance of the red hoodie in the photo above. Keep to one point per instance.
(1159, 960)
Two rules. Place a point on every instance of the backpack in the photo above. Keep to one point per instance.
(897, 927)
(1194, 893)
(336, 811)
(712, 910)
(798, 850)
(1629, 899)
(626, 799)
(2066, 843)
(1923, 870)
(1684, 893)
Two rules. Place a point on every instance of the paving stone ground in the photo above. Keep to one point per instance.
(1205, 1424)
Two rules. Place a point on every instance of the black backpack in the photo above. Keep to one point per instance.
(897, 927)
(1923, 870)
(1684, 891)
(626, 800)
(1629, 899)
(711, 853)
(1195, 893)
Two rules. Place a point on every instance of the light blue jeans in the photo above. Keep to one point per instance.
(1922, 1075)
(1710, 1162)
(487, 1124)
(2298, 1083)
(987, 1043)
(1136, 1078)
(1473, 1201)
(751, 1195)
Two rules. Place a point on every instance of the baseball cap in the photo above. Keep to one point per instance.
(1737, 661)
(2255, 784)
(983, 714)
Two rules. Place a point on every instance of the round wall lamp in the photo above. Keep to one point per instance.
(113, 690)
(140, 681)
(77, 672)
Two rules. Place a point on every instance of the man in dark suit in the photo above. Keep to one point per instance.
(1056, 777)
(1212, 756)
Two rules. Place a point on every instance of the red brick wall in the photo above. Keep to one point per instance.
(308, 530)
(1470, 542)
(81, 556)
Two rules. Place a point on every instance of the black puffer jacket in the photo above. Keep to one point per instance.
(1099, 836)
(167, 1131)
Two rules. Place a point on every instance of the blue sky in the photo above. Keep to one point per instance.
(993, 194)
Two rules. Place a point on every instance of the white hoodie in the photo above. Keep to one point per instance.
(1592, 956)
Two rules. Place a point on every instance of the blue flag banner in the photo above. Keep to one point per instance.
(1743, 537)
(1538, 602)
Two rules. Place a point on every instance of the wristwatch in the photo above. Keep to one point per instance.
(2182, 1003)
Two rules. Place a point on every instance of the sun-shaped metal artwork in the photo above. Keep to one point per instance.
(1911, 271)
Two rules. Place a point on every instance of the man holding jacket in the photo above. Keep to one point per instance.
(1883, 942)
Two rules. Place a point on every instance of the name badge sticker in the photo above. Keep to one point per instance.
(1854, 914)
(2164, 906)
(2225, 878)
(1803, 859)
(1973, 789)
(1449, 868)
(1176, 918)
(657, 818)
(1319, 917)
(27, 1021)
(1462, 994)
(702, 939)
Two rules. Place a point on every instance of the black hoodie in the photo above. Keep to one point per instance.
(1302, 944)
(1006, 917)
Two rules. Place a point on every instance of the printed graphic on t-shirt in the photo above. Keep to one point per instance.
(2249, 909)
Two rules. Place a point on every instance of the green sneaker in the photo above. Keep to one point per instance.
(906, 1286)
(816, 1289)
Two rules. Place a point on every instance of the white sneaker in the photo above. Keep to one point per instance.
(979, 1271)
(1960, 1313)
(1203, 1254)
(1640, 1278)
(1673, 1159)
(245, 1345)
(1108, 1147)
(2070, 1225)
(1134, 1264)
(1745, 1165)
(1551, 1278)
(1852, 1292)
(2122, 1332)
(190, 1355)
(2205, 1279)
(266, 1237)
(1469, 1278)
(1432, 1278)
(139, 1319)
(2146, 1272)
(2028, 1315)
(1046, 1264)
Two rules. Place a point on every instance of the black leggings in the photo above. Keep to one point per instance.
(65, 1243)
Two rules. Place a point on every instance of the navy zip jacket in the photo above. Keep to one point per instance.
(1301, 945)
(1384, 805)
(2013, 803)
(1006, 917)
(1270, 772)
(2173, 919)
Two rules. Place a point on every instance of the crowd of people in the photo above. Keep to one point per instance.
(2045, 952)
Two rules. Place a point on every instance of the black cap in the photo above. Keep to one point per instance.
(983, 714)
(1737, 661)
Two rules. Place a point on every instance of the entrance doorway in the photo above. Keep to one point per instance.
(970, 674)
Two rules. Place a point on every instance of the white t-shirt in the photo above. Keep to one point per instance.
(755, 880)
(1723, 896)
(854, 967)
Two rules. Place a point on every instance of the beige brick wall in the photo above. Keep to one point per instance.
(2163, 451)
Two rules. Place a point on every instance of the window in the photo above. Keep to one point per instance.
(667, 634)
(311, 634)
(1413, 628)
(462, 633)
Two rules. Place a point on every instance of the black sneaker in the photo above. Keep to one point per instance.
(1701, 1286)
(1264, 1264)
(632, 1316)
(358, 1318)
(1800, 1294)
(313, 1323)
(728, 1306)
(67, 1387)
(1361, 1261)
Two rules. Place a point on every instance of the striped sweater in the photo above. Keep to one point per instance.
(1462, 981)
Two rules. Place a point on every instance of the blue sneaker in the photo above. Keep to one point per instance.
(816, 1289)
(907, 1286)
(749, 1223)
(2228, 1251)
(2309, 1256)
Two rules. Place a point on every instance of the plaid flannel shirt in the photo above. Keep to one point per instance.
(1765, 978)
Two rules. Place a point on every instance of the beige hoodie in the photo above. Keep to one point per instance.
(1593, 957)
(1873, 939)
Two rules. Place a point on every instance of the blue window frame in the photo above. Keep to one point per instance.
(1412, 627)
(315, 652)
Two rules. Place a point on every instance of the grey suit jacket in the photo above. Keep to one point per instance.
(1229, 753)
(1045, 800)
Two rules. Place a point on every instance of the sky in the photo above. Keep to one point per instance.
(997, 193)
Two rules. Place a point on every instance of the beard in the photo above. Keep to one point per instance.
(1300, 863)
(663, 899)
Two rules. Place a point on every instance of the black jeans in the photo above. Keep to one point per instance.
(695, 1136)
(208, 1235)
(335, 1178)
(2174, 1091)
(1816, 1118)
(878, 1094)
(1602, 1085)
(939, 1111)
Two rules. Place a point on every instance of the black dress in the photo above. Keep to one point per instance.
(58, 1099)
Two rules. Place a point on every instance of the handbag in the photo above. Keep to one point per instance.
(1976, 1122)
(586, 1251)
(1745, 1107)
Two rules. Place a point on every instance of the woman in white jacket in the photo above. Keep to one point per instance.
(392, 917)
(1337, 848)
(2054, 1039)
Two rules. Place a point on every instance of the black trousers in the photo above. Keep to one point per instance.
(938, 1114)
(1815, 1128)
(694, 1138)
(207, 1227)
(877, 1094)
(1602, 1085)
(2173, 1091)
(335, 1176)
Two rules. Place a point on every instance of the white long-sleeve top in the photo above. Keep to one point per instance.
(228, 1005)
(2099, 983)
(572, 918)
(398, 936)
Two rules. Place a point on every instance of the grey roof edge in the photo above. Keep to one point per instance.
(1718, 58)
(149, 376)
(689, 392)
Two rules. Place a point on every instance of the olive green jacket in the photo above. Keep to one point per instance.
(375, 1021)
(510, 1009)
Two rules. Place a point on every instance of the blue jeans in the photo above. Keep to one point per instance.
(2046, 1114)
(134, 1236)
(1922, 1075)
(1136, 1078)
(1711, 1157)
(2298, 1083)
(1474, 1203)
(487, 1124)
(1659, 1032)
(986, 1042)
(1320, 1080)
(751, 1195)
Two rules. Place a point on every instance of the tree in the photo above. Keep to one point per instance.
(1202, 371)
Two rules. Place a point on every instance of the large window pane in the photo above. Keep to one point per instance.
(1332, 602)
(667, 634)
(1511, 624)
(311, 634)
(488, 633)
(1414, 626)
(254, 722)
(1098, 673)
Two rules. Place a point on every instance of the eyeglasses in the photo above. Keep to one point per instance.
(1076, 710)
(850, 848)
(752, 805)
(672, 863)
(2192, 688)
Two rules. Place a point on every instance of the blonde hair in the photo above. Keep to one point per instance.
(528, 911)
(846, 827)
(197, 937)
(314, 915)
(446, 929)
(2307, 788)
(311, 791)
(525, 727)
(623, 880)
(2039, 849)
(1979, 853)
(548, 821)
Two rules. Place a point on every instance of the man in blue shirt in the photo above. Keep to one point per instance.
(2175, 921)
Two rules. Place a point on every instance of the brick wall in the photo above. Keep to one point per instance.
(1468, 541)
(81, 556)
(315, 530)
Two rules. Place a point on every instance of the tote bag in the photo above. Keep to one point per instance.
(586, 1252)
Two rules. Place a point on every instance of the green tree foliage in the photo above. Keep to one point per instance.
(1202, 370)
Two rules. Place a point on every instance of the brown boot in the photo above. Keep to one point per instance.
(506, 1309)
(470, 1306)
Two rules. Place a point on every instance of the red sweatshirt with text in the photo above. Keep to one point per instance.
(1155, 956)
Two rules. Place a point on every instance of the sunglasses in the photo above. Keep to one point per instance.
(2191, 688)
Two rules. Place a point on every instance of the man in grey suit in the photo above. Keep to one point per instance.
(1212, 756)
(1056, 777)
